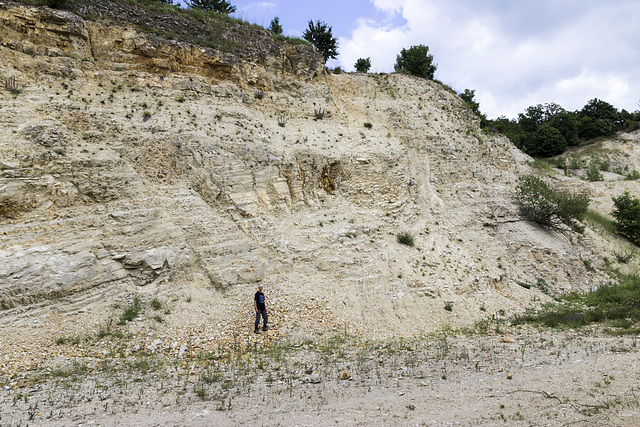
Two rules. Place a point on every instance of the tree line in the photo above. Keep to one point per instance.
(546, 130)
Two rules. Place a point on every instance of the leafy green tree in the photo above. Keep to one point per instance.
(548, 207)
(363, 65)
(219, 6)
(626, 211)
(320, 35)
(546, 141)
(416, 61)
(598, 118)
(275, 26)
(510, 128)
(547, 128)
(599, 109)
(567, 124)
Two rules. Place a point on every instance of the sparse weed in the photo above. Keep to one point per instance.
(131, 311)
(405, 238)
(11, 86)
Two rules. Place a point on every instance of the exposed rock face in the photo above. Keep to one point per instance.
(130, 161)
(256, 58)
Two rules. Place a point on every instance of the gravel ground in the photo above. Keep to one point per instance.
(523, 376)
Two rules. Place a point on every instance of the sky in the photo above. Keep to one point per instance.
(513, 53)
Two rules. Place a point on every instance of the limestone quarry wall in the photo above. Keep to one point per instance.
(128, 161)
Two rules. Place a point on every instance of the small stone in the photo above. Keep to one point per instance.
(183, 347)
(509, 376)
(508, 340)
(344, 375)
(315, 377)
(401, 393)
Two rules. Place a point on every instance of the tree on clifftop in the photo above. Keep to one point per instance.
(275, 26)
(363, 65)
(321, 37)
(219, 6)
(416, 61)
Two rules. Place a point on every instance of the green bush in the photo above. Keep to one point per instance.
(546, 141)
(416, 61)
(549, 207)
(593, 172)
(363, 65)
(626, 211)
(633, 175)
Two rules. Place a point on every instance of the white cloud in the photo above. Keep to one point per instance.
(514, 54)
(258, 8)
(389, 6)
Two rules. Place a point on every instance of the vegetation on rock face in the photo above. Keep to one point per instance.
(416, 61)
(468, 96)
(320, 35)
(203, 27)
(615, 306)
(626, 211)
(363, 65)
(549, 207)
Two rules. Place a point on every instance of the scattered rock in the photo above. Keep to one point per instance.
(183, 347)
(509, 376)
(508, 340)
(344, 375)
(315, 377)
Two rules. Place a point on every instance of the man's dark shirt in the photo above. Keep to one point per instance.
(259, 298)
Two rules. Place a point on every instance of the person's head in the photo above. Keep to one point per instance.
(260, 288)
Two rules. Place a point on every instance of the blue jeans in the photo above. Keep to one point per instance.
(262, 313)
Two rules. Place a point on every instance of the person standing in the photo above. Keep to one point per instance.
(261, 310)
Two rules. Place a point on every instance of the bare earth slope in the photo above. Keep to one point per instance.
(132, 166)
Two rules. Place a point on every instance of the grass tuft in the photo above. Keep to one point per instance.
(131, 311)
(405, 239)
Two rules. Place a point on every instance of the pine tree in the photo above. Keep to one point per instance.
(219, 6)
(275, 26)
(321, 37)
